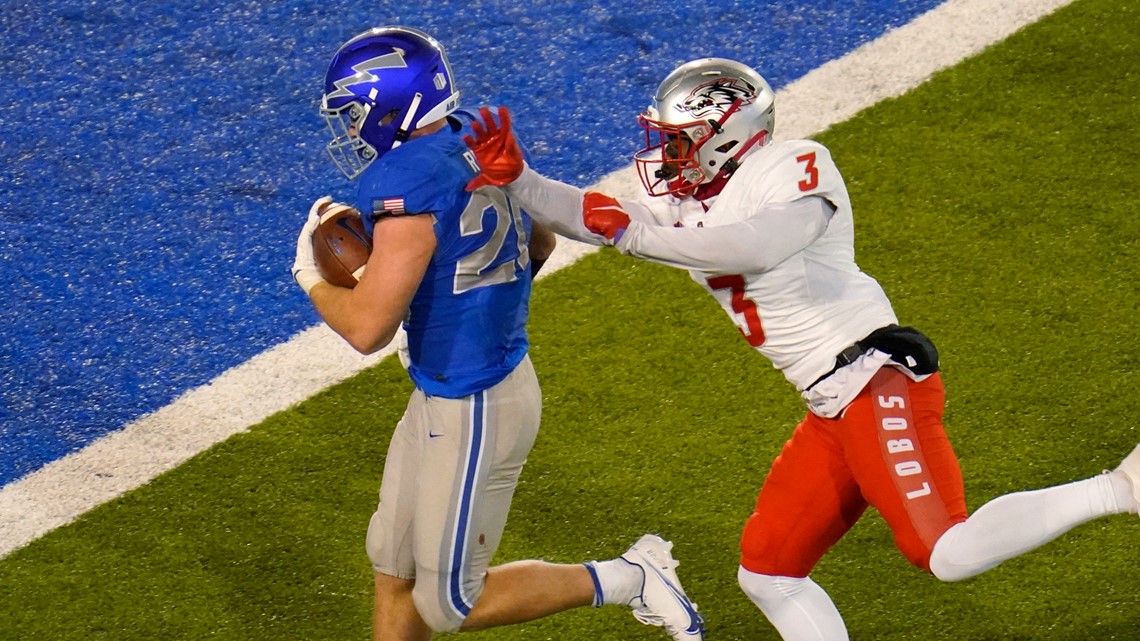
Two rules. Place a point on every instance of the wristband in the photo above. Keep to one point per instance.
(536, 265)
(307, 279)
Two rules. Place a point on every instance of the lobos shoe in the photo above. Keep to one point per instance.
(662, 601)
(1130, 467)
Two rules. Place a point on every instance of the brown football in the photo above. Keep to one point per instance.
(341, 247)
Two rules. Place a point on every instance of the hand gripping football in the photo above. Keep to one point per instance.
(341, 247)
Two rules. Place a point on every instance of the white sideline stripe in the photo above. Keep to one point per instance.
(316, 358)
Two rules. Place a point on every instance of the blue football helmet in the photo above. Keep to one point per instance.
(380, 87)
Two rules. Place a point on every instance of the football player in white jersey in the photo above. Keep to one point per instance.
(766, 228)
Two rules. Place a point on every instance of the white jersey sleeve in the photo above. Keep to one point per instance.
(555, 205)
(558, 206)
(753, 245)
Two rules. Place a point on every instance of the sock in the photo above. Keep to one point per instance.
(616, 581)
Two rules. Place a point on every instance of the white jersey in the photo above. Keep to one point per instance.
(789, 284)
(780, 263)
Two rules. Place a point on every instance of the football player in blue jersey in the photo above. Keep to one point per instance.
(455, 268)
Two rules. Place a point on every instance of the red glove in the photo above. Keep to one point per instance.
(495, 149)
(603, 215)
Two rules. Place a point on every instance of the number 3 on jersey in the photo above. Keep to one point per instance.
(743, 306)
(812, 180)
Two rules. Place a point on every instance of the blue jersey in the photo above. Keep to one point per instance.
(467, 322)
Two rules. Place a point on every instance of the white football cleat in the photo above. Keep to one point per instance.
(1130, 467)
(662, 601)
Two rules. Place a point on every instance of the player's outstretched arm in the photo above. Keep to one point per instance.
(770, 236)
(561, 207)
(554, 204)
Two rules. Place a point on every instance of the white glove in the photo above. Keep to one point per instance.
(305, 270)
(402, 352)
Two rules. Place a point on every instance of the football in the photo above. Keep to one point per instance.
(341, 247)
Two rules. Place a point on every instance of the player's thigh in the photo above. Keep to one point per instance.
(389, 540)
(473, 452)
(808, 502)
(898, 450)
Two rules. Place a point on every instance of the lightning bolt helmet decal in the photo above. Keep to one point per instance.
(381, 86)
(362, 73)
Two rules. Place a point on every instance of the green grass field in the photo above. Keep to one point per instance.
(996, 205)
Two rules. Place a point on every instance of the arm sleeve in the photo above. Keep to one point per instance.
(558, 206)
(757, 244)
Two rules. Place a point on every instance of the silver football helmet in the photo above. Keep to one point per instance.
(706, 115)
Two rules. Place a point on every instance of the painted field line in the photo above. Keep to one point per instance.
(315, 359)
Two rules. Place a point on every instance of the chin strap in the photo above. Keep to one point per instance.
(405, 130)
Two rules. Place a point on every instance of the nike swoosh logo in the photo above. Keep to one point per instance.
(430, 435)
(696, 621)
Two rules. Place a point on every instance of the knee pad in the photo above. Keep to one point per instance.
(766, 591)
(442, 604)
(796, 606)
(944, 561)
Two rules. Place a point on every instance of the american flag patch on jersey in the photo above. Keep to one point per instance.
(388, 206)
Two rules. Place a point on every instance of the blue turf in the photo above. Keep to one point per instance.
(159, 157)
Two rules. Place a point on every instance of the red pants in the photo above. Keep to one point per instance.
(888, 450)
